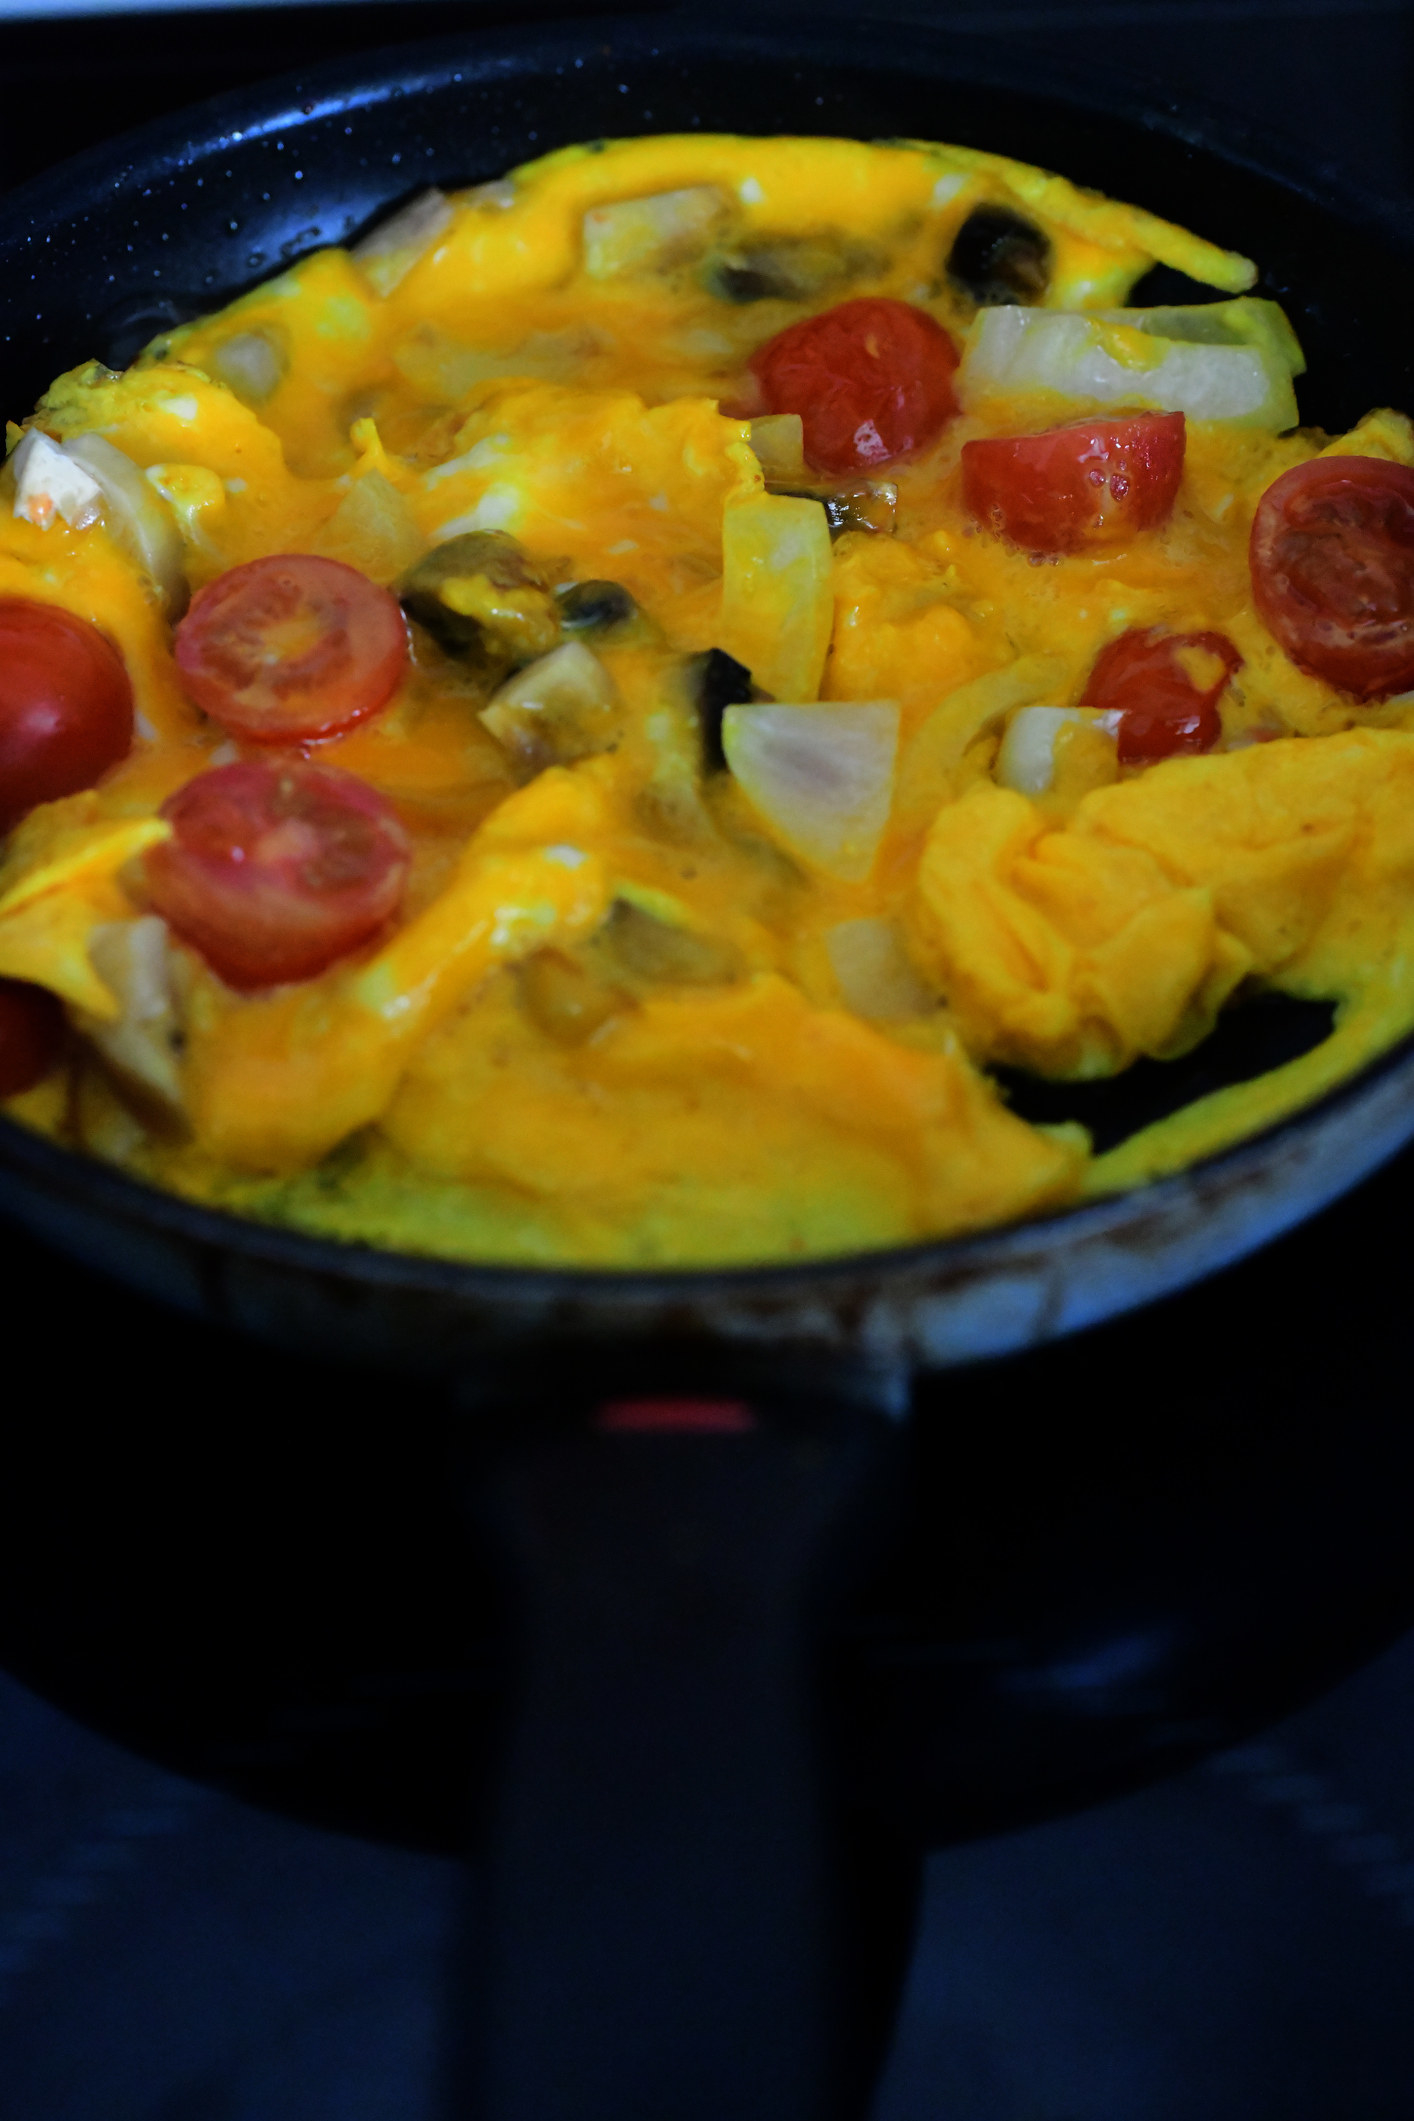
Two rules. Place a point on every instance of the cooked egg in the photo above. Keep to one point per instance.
(756, 812)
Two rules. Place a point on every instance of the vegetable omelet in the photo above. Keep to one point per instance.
(589, 728)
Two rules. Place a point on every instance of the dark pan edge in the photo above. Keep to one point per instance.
(940, 1302)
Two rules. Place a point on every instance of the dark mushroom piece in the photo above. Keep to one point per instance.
(567, 998)
(658, 952)
(998, 259)
(716, 681)
(482, 598)
(594, 607)
(786, 269)
(870, 505)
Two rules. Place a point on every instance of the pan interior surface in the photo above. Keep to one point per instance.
(203, 209)
(1082, 1604)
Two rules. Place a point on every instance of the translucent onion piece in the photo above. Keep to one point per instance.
(136, 516)
(389, 252)
(927, 770)
(1098, 363)
(196, 497)
(372, 529)
(644, 235)
(778, 593)
(1027, 758)
(1248, 320)
(132, 958)
(821, 776)
(778, 439)
(250, 365)
(651, 948)
(875, 975)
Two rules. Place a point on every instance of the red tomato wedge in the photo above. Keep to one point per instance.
(871, 380)
(31, 1030)
(276, 871)
(1165, 687)
(1332, 558)
(291, 647)
(1099, 482)
(66, 707)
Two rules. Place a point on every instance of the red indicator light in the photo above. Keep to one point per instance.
(680, 1417)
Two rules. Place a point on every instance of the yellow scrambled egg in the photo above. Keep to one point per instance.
(633, 1014)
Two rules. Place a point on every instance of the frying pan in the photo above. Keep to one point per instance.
(698, 1524)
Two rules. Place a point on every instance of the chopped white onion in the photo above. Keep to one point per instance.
(389, 252)
(133, 960)
(250, 365)
(1099, 363)
(875, 974)
(372, 529)
(1246, 320)
(778, 592)
(778, 439)
(136, 516)
(821, 775)
(1027, 758)
(49, 483)
(638, 235)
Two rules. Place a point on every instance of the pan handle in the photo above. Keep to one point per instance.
(666, 1928)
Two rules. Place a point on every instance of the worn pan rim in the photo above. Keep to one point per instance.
(282, 103)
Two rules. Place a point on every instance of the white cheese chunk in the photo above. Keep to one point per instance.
(48, 484)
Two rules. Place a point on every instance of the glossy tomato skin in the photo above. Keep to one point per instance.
(31, 1033)
(66, 706)
(1165, 687)
(1332, 559)
(274, 872)
(1098, 482)
(872, 380)
(290, 648)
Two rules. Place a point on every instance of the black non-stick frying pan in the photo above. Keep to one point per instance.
(721, 1570)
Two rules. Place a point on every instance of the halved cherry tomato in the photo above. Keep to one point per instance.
(1165, 688)
(31, 1028)
(871, 380)
(66, 707)
(274, 872)
(1332, 557)
(291, 647)
(1099, 482)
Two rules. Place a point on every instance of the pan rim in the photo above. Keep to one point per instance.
(168, 144)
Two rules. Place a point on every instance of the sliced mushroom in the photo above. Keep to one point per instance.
(483, 598)
(870, 504)
(560, 708)
(787, 268)
(716, 681)
(660, 951)
(595, 607)
(997, 258)
(567, 999)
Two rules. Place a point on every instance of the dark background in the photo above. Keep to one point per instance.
(1236, 1943)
